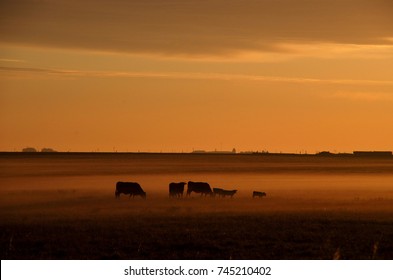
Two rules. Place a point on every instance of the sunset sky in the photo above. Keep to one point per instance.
(184, 75)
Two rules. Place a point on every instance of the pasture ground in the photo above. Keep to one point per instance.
(74, 225)
(62, 206)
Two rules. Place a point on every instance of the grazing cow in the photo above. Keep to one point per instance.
(258, 194)
(217, 191)
(199, 187)
(129, 188)
(225, 193)
(176, 189)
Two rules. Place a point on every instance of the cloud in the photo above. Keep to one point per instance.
(12, 60)
(189, 76)
(195, 28)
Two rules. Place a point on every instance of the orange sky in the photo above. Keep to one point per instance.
(283, 75)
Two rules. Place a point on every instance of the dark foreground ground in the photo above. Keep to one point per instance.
(204, 237)
(182, 232)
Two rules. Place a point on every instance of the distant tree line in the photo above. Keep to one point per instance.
(34, 150)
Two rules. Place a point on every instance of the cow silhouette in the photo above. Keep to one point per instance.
(224, 193)
(217, 191)
(199, 187)
(258, 194)
(131, 188)
(176, 189)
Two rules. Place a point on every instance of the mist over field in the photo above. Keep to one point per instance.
(63, 206)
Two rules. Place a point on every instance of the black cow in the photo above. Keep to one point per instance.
(217, 191)
(176, 189)
(133, 189)
(258, 194)
(223, 193)
(199, 187)
(231, 193)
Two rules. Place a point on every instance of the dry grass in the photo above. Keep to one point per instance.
(80, 226)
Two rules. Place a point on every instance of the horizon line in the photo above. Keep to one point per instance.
(357, 153)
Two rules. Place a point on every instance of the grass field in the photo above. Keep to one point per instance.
(48, 212)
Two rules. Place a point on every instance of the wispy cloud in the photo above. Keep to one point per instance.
(186, 75)
(12, 60)
(194, 28)
(336, 50)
